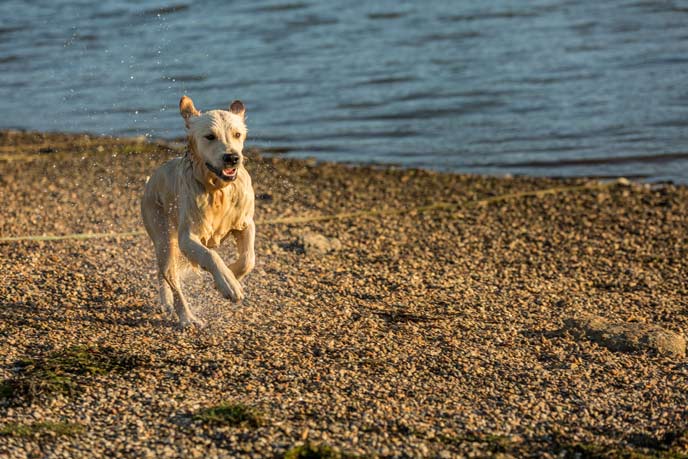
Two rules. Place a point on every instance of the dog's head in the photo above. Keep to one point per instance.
(216, 141)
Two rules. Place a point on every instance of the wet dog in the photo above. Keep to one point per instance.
(193, 203)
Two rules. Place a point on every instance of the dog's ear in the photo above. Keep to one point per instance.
(237, 108)
(187, 109)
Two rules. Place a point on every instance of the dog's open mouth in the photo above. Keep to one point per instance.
(228, 174)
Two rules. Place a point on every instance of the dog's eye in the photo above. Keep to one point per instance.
(237, 135)
(211, 137)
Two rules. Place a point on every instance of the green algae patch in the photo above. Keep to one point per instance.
(40, 428)
(231, 414)
(65, 371)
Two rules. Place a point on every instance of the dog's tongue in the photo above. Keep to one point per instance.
(229, 172)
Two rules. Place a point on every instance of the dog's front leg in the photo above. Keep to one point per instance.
(245, 240)
(208, 259)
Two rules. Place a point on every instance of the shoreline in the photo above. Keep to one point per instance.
(439, 333)
(284, 152)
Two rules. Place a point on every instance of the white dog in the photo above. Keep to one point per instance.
(191, 204)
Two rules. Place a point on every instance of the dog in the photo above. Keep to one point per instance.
(191, 204)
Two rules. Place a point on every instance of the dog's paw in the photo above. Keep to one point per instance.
(239, 293)
(167, 310)
(191, 321)
(229, 287)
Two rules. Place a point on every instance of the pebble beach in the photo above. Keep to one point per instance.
(392, 313)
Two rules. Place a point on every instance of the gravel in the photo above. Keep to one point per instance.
(426, 334)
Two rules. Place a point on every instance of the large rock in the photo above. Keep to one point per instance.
(319, 244)
(627, 336)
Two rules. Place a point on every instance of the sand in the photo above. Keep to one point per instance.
(414, 330)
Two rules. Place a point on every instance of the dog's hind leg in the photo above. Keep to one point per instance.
(157, 226)
(169, 269)
(166, 295)
(167, 253)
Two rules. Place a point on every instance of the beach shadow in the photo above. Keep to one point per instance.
(133, 316)
(132, 322)
(25, 313)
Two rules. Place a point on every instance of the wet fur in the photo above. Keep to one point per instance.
(188, 210)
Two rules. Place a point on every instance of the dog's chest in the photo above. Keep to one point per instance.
(224, 215)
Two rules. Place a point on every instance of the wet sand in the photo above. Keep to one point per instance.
(432, 333)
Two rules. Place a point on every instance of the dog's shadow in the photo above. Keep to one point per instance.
(133, 316)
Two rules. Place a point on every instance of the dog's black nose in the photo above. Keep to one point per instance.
(230, 158)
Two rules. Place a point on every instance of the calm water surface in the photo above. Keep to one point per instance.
(544, 87)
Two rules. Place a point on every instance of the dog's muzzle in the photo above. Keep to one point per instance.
(231, 159)
(228, 174)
